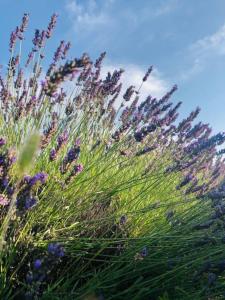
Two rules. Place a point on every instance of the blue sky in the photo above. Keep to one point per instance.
(183, 39)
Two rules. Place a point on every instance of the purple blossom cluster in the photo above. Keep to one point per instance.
(26, 199)
(56, 250)
(71, 156)
(39, 177)
(18, 32)
(77, 169)
(7, 160)
(41, 269)
(61, 140)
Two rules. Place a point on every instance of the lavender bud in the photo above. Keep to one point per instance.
(2, 142)
(56, 250)
(29, 203)
(147, 74)
(51, 25)
(53, 154)
(29, 278)
(24, 24)
(129, 92)
(42, 177)
(37, 264)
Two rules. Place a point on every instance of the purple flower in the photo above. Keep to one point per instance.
(147, 74)
(10, 190)
(5, 182)
(66, 49)
(51, 248)
(56, 250)
(13, 37)
(53, 154)
(42, 177)
(36, 38)
(144, 131)
(29, 278)
(2, 159)
(2, 142)
(59, 52)
(99, 60)
(61, 253)
(29, 59)
(30, 202)
(12, 159)
(62, 139)
(78, 169)
(25, 20)
(44, 84)
(73, 154)
(51, 25)
(26, 179)
(128, 94)
(187, 179)
(37, 264)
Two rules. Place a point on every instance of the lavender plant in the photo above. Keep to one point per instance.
(98, 202)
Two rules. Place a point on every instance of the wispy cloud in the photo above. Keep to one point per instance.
(87, 15)
(211, 45)
(203, 50)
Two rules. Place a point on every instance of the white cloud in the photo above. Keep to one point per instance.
(203, 50)
(155, 86)
(211, 45)
(87, 15)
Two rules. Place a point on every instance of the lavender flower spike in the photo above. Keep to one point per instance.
(37, 264)
(56, 250)
(42, 177)
(2, 142)
(147, 74)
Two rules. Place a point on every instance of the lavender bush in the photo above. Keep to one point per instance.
(99, 202)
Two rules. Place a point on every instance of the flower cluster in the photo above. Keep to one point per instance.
(61, 140)
(26, 198)
(71, 156)
(41, 268)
